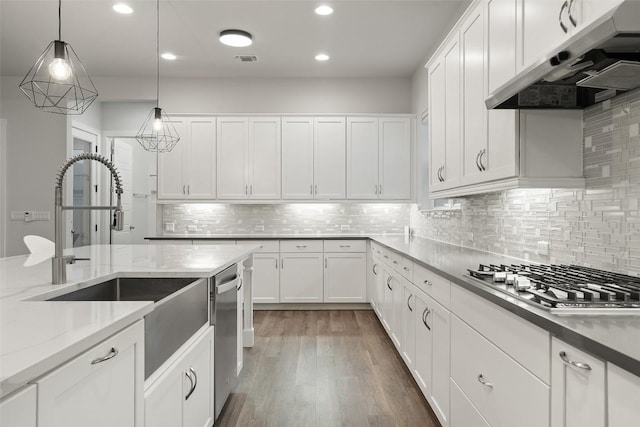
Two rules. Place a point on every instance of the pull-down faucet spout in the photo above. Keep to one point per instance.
(59, 262)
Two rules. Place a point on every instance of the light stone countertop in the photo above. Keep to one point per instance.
(37, 336)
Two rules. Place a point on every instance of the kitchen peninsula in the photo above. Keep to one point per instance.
(40, 339)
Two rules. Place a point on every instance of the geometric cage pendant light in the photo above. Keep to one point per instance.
(157, 132)
(58, 82)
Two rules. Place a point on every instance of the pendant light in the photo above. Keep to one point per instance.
(157, 132)
(58, 82)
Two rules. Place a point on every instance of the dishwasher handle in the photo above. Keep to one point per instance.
(227, 286)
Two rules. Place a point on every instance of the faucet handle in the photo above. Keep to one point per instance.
(118, 220)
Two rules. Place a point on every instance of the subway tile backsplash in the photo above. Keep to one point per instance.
(294, 218)
(598, 226)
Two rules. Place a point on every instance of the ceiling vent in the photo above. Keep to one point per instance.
(246, 58)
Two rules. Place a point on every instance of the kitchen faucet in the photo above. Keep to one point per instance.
(59, 262)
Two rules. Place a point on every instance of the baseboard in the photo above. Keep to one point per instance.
(313, 306)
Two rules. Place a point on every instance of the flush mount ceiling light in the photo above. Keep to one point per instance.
(235, 38)
(157, 132)
(169, 56)
(324, 10)
(58, 82)
(322, 57)
(122, 8)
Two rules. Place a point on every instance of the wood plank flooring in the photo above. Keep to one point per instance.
(324, 368)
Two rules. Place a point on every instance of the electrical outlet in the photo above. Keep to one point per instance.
(169, 226)
(543, 248)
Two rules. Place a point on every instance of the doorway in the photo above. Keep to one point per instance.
(83, 191)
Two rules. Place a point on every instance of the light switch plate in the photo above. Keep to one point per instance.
(543, 248)
(169, 226)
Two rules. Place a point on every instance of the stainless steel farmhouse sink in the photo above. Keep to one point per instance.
(180, 310)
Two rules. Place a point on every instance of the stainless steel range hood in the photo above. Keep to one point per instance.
(597, 63)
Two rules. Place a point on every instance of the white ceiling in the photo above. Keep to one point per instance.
(364, 38)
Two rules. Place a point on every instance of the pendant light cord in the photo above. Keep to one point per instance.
(59, 19)
(158, 53)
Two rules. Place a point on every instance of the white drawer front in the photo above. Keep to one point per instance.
(463, 413)
(525, 342)
(265, 246)
(405, 268)
(300, 245)
(345, 246)
(509, 391)
(435, 286)
(376, 249)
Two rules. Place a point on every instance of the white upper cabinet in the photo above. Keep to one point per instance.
(544, 26)
(233, 147)
(379, 158)
(502, 41)
(189, 170)
(297, 158)
(248, 158)
(436, 123)
(264, 158)
(329, 142)
(584, 12)
(362, 158)
(395, 158)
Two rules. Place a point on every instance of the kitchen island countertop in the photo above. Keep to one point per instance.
(38, 335)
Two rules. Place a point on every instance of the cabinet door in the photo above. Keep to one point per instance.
(474, 117)
(264, 158)
(409, 325)
(362, 158)
(436, 124)
(439, 319)
(463, 413)
(297, 158)
(171, 174)
(376, 291)
(197, 386)
(501, 42)
(587, 11)
(541, 29)
(623, 396)
(453, 116)
(201, 159)
(301, 277)
(266, 278)
(329, 147)
(345, 277)
(19, 410)
(395, 158)
(387, 303)
(577, 390)
(424, 345)
(102, 387)
(232, 157)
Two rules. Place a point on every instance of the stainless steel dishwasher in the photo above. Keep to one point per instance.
(224, 316)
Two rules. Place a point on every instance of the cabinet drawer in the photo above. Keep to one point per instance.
(345, 246)
(268, 246)
(495, 384)
(19, 409)
(525, 342)
(405, 267)
(300, 245)
(463, 413)
(376, 249)
(435, 286)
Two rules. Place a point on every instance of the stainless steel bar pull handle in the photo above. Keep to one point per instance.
(389, 283)
(241, 283)
(184, 189)
(478, 160)
(251, 190)
(426, 282)
(376, 189)
(316, 189)
(482, 153)
(190, 378)
(579, 365)
(112, 353)
(246, 190)
(345, 246)
(572, 18)
(425, 313)
(408, 301)
(312, 189)
(194, 381)
(301, 246)
(325, 263)
(484, 382)
(564, 27)
(374, 269)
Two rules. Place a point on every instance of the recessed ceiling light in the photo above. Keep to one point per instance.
(324, 10)
(122, 8)
(168, 56)
(322, 57)
(235, 38)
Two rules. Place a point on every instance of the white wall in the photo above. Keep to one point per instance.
(273, 95)
(127, 117)
(36, 147)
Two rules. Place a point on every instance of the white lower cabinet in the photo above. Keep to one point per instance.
(344, 277)
(577, 387)
(101, 387)
(502, 390)
(392, 307)
(409, 325)
(266, 278)
(623, 395)
(463, 413)
(19, 409)
(377, 286)
(182, 396)
(301, 277)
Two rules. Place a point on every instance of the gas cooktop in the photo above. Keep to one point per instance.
(564, 289)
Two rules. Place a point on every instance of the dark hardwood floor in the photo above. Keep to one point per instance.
(324, 368)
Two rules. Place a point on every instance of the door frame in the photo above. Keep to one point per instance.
(93, 137)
